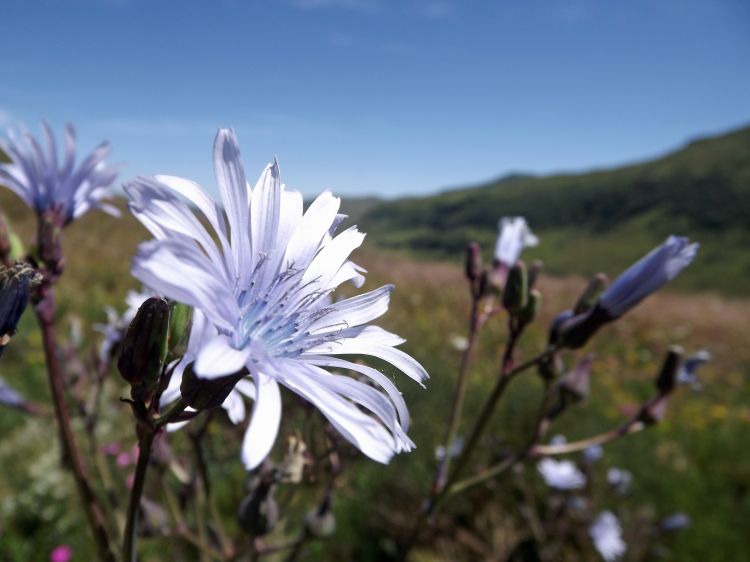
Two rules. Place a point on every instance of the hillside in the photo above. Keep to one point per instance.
(600, 219)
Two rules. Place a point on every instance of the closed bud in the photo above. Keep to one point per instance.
(654, 410)
(529, 312)
(321, 522)
(551, 367)
(516, 293)
(535, 270)
(258, 512)
(205, 394)
(667, 379)
(180, 322)
(473, 261)
(591, 294)
(49, 240)
(144, 348)
(576, 383)
(16, 285)
(578, 330)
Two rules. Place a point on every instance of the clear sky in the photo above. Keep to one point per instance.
(384, 97)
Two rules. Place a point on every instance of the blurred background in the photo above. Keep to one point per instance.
(607, 125)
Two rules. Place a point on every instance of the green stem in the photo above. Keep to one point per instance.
(633, 426)
(145, 441)
(458, 401)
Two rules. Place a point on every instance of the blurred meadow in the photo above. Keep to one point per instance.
(693, 462)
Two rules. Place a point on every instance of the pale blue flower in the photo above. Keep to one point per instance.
(262, 278)
(514, 235)
(606, 533)
(593, 454)
(48, 185)
(648, 275)
(620, 479)
(688, 373)
(562, 475)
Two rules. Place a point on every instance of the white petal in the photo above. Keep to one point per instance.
(264, 424)
(332, 256)
(355, 311)
(306, 239)
(235, 407)
(218, 358)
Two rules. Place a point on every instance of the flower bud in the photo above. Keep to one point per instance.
(529, 312)
(575, 332)
(535, 269)
(321, 522)
(180, 321)
(205, 394)
(576, 383)
(473, 266)
(654, 410)
(144, 348)
(516, 293)
(16, 286)
(50, 242)
(591, 294)
(258, 512)
(667, 379)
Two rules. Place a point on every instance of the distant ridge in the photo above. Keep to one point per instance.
(701, 190)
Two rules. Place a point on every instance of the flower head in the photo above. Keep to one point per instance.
(514, 236)
(606, 533)
(260, 280)
(648, 275)
(563, 475)
(688, 372)
(61, 188)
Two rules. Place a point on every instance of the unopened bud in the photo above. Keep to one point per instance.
(205, 394)
(591, 294)
(574, 333)
(516, 292)
(144, 348)
(654, 410)
(16, 285)
(473, 266)
(667, 379)
(535, 269)
(529, 312)
(320, 522)
(258, 512)
(50, 242)
(180, 321)
(577, 382)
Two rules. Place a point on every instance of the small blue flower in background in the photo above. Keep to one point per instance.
(48, 185)
(688, 371)
(606, 533)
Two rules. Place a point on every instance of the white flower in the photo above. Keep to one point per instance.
(563, 475)
(514, 236)
(35, 175)
(607, 536)
(262, 279)
(459, 343)
(648, 275)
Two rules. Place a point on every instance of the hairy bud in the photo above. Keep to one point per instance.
(578, 330)
(535, 270)
(258, 512)
(144, 348)
(180, 322)
(516, 293)
(205, 394)
(591, 294)
(529, 312)
(16, 285)
(667, 379)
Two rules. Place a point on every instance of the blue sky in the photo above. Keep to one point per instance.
(385, 97)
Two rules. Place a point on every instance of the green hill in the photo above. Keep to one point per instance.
(599, 220)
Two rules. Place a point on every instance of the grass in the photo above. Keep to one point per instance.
(694, 462)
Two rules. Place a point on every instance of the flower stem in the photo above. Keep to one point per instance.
(459, 398)
(45, 312)
(632, 426)
(146, 439)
